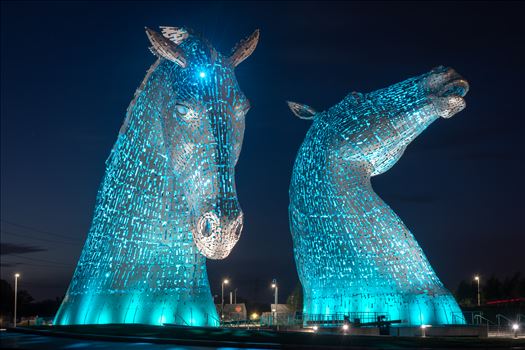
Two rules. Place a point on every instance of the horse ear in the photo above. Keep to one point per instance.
(164, 48)
(301, 110)
(175, 34)
(244, 48)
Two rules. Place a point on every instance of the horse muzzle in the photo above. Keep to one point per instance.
(216, 236)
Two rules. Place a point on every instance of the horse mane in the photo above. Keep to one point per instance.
(137, 93)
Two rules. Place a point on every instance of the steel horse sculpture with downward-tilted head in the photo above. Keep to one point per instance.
(168, 197)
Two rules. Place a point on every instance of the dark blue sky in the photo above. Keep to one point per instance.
(69, 71)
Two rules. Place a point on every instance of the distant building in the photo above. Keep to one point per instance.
(280, 314)
(233, 312)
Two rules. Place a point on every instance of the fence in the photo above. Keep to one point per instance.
(501, 326)
(323, 320)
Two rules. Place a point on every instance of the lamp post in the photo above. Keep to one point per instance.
(235, 296)
(476, 278)
(16, 292)
(276, 296)
(225, 281)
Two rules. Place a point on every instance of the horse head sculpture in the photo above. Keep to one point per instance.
(203, 129)
(353, 254)
(168, 198)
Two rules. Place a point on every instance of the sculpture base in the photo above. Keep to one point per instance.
(408, 309)
(142, 308)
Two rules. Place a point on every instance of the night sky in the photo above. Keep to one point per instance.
(69, 71)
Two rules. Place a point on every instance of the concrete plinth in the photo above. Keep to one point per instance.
(440, 331)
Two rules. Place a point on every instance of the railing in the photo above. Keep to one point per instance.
(501, 326)
(500, 316)
(182, 318)
(281, 319)
(478, 320)
(339, 318)
(508, 328)
(469, 316)
(459, 318)
(241, 324)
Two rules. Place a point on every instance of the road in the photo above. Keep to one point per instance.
(10, 340)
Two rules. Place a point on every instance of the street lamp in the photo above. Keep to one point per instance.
(225, 281)
(16, 292)
(276, 296)
(476, 278)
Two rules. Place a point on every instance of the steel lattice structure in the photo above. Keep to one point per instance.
(353, 253)
(168, 198)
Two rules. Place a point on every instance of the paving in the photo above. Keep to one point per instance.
(11, 340)
(164, 337)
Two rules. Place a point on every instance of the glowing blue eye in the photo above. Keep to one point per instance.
(202, 74)
(181, 110)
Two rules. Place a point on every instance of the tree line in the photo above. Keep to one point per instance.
(26, 304)
(491, 289)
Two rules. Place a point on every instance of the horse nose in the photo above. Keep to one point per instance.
(216, 236)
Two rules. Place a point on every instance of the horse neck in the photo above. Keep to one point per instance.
(139, 157)
(319, 172)
(325, 185)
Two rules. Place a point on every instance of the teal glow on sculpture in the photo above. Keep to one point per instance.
(354, 255)
(168, 200)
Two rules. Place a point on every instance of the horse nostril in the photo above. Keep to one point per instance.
(206, 231)
(207, 224)
(238, 225)
(238, 229)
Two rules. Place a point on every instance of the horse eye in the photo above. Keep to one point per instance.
(181, 110)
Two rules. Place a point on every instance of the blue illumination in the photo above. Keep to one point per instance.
(354, 255)
(202, 74)
(170, 173)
